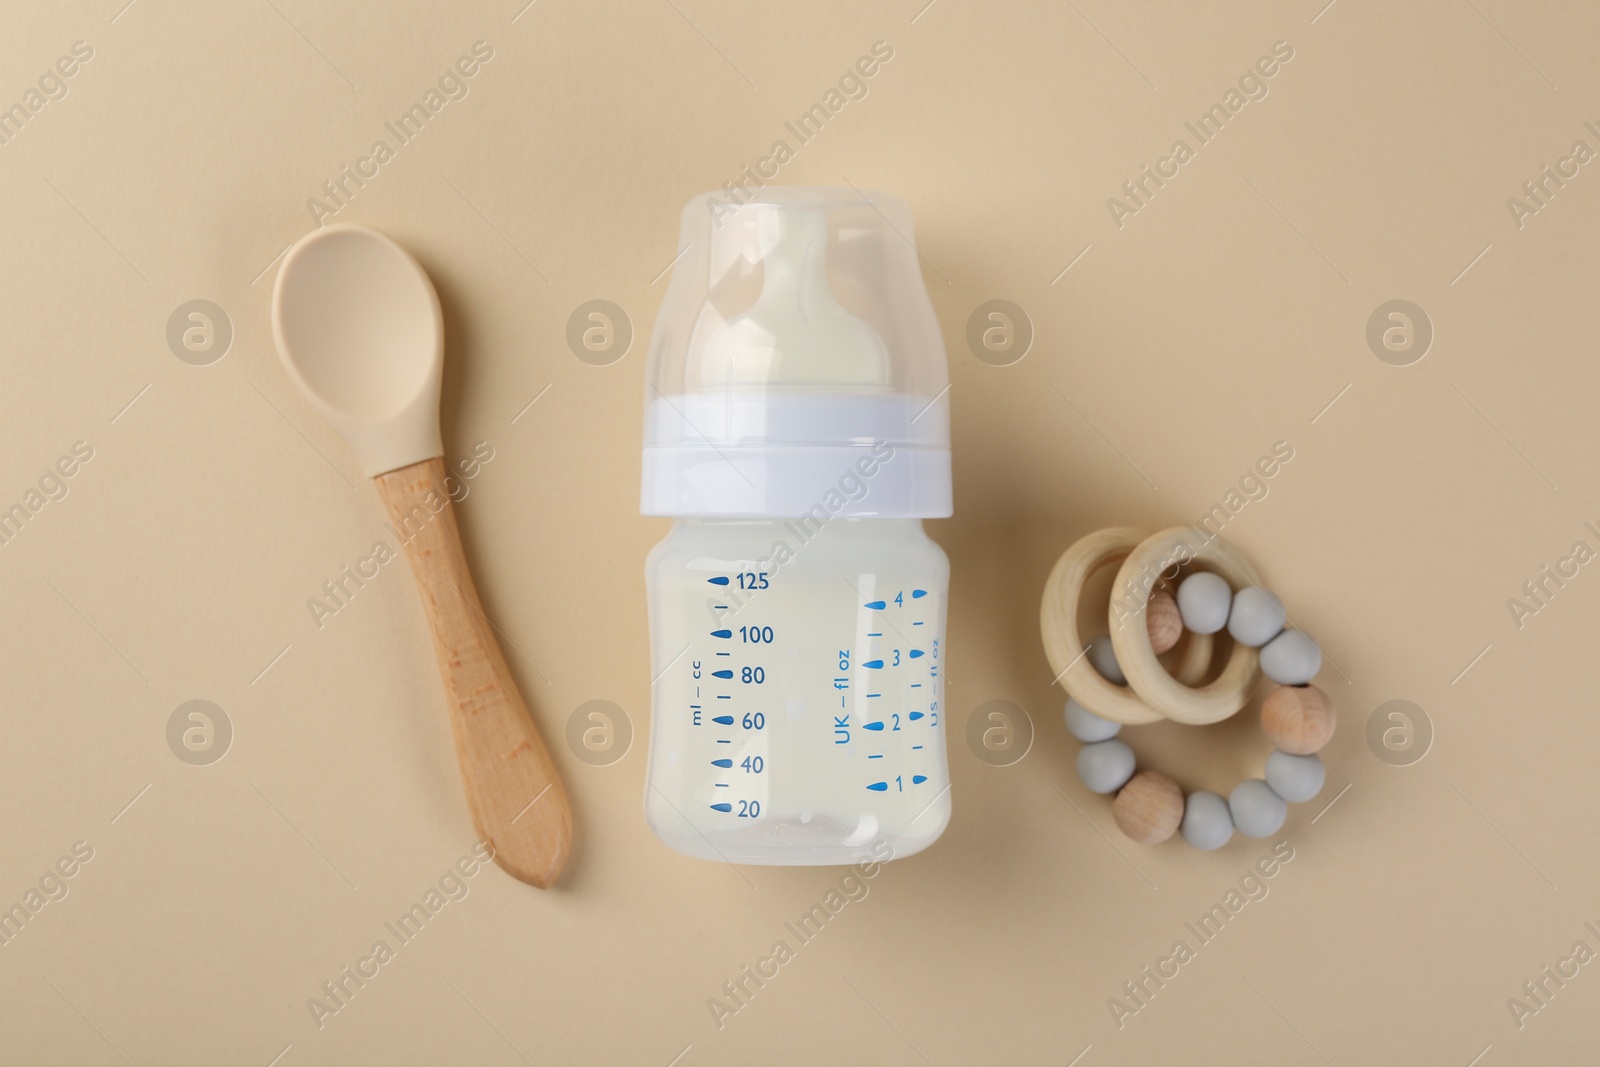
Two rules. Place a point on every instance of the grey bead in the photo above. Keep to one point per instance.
(1207, 823)
(1291, 658)
(1105, 766)
(1256, 617)
(1088, 727)
(1257, 811)
(1295, 778)
(1104, 658)
(1203, 601)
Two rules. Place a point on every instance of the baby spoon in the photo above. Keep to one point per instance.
(358, 327)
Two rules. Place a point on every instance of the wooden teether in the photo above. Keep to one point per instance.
(1064, 644)
(1159, 690)
(1145, 620)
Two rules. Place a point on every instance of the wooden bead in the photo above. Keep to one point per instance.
(1163, 620)
(1149, 808)
(1298, 719)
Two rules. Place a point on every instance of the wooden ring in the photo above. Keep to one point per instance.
(1146, 676)
(1064, 646)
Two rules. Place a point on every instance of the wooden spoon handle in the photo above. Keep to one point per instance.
(517, 801)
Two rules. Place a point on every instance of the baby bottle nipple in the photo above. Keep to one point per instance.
(796, 333)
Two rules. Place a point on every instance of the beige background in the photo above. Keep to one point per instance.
(1225, 316)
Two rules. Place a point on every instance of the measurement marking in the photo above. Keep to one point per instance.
(723, 720)
(1330, 403)
(916, 624)
(130, 404)
(886, 1019)
(1292, 1026)
(887, 619)
(1514, 48)
(96, 229)
(723, 741)
(1331, 803)
(275, 659)
(1503, 837)
(1106, 839)
(275, 259)
(85, 1018)
(303, 837)
(1102, 433)
(878, 756)
(95, 628)
(1469, 266)
(303, 437)
(492, 1026)
(1474, 663)
(916, 685)
(723, 807)
(875, 635)
(131, 803)
(1296, 229)
(1480, 1055)
(314, 48)
(281, 1055)
(657, 278)
(532, 802)
(714, 48)
(720, 785)
(1074, 262)
(530, 404)
(1114, 48)
(497, 230)
(916, 748)
(724, 698)
(1508, 440)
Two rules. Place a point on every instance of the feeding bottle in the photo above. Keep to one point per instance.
(797, 431)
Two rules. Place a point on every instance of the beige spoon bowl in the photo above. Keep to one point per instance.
(358, 327)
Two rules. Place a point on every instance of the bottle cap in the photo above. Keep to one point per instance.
(796, 364)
